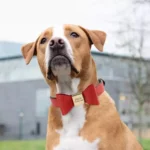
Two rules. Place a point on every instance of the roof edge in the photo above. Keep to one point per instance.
(93, 53)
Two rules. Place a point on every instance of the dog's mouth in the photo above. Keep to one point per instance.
(57, 62)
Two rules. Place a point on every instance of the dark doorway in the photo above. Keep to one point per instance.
(38, 128)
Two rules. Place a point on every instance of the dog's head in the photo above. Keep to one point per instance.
(64, 49)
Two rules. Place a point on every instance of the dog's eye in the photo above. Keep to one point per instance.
(74, 34)
(43, 40)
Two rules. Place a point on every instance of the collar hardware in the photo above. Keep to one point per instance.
(78, 99)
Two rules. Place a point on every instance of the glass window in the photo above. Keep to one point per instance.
(42, 102)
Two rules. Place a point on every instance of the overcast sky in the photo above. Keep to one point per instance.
(23, 20)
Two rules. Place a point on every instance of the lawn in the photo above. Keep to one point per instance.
(146, 144)
(22, 145)
(40, 145)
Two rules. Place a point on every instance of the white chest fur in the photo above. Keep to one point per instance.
(69, 135)
(76, 143)
(72, 123)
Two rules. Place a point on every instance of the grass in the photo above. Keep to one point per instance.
(40, 145)
(146, 144)
(23, 145)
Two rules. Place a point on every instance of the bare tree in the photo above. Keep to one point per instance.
(133, 35)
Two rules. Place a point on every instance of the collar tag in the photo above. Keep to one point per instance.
(78, 99)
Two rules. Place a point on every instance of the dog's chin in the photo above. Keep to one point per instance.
(60, 66)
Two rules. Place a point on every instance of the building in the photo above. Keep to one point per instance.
(24, 95)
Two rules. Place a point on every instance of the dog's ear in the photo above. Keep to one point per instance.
(28, 51)
(96, 37)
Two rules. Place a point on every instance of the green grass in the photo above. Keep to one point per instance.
(40, 145)
(146, 144)
(22, 145)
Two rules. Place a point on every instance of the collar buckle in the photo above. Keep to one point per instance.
(78, 99)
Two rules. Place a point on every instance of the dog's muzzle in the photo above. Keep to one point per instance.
(58, 57)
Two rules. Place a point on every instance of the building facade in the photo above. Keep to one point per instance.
(24, 95)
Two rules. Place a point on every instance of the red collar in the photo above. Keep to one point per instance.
(89, 96)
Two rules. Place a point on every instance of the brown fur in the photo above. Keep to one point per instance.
(102, 121)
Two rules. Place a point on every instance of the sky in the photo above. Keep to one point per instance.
(23, 20)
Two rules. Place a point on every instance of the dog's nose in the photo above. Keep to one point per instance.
(56, 43)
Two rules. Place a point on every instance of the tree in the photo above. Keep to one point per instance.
(133, 36)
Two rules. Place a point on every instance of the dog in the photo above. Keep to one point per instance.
(82, 116)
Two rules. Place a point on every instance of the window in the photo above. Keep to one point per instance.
(42, 102)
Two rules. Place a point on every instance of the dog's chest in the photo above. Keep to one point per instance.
(69, 135)
(73, 122)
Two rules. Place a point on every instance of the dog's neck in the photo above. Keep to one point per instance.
(66, 85)
(71, 86)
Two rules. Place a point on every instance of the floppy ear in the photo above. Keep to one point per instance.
(96, 37)
(28, 51)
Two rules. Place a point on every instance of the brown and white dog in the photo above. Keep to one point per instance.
(64, 57)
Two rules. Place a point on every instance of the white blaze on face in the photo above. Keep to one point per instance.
(59, 32)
